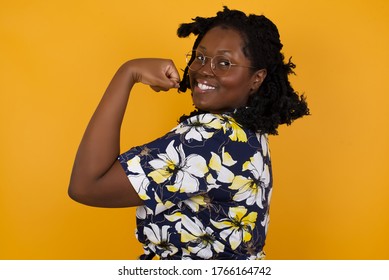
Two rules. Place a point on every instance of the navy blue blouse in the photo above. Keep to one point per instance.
(206, 187)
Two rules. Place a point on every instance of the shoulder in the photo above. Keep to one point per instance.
(216, 132)
(204, 126)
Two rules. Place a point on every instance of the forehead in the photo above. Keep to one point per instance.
(220, 38)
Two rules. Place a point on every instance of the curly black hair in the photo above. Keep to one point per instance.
(275, 102)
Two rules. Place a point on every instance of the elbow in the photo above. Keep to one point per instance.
(86, 193)
(73, 194)
(78, 192)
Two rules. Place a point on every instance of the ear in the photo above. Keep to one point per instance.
(257, 79)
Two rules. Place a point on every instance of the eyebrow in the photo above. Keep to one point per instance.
(219, 51)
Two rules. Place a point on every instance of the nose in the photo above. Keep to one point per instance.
(206, 69)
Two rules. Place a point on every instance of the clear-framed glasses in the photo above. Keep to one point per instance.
(220, 64)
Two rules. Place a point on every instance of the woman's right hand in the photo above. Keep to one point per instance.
(160, 74)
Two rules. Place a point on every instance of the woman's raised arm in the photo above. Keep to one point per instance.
(97, 178)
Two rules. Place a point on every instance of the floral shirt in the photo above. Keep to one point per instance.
(206, 187)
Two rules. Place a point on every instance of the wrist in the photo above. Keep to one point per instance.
(131, 70)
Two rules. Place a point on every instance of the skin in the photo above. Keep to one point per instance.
(97, 178)
(225, 93)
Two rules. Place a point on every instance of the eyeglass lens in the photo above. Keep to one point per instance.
(220, 64)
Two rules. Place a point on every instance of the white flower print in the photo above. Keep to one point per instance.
(138, 178)
(219, 165)
(211, 182)
(201, 240)
(260, 256)
(237, 227)
(262, 138)
(142, 212)
(185, 170)
(266, 219)
(159, 238)
(265, 222)
(198, 126)
(252, 189)
(161, 205)
(175, 218)
(195, 202)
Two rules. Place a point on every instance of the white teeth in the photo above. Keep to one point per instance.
(204, 87)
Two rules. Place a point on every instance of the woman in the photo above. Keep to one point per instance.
(204, 188)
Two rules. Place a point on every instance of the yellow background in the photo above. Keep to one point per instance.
(331, 179)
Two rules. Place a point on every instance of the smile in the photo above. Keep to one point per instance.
(205, 87)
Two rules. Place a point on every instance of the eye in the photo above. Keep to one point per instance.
(200, 58)
(223, 63)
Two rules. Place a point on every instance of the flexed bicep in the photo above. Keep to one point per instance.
(113, 189)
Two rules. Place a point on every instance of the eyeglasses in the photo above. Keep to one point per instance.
(220, 64)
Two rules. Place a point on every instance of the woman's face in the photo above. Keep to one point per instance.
(220, 94)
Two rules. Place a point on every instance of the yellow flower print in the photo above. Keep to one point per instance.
(201, 239)
(237, 227)
(159, 238)
(182, 170)
(219, 165)
(161, 206)
(175, 218)
(195, 202)
(252, 189)
(200, 127)
(211, 182)
(138, 178)
(238, 134)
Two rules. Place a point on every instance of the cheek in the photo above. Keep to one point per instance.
(240, 84)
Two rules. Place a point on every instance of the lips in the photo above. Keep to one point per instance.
(205, 86)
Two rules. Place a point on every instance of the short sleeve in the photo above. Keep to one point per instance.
(163, 173)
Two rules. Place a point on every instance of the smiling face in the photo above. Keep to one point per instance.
(220, 94)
